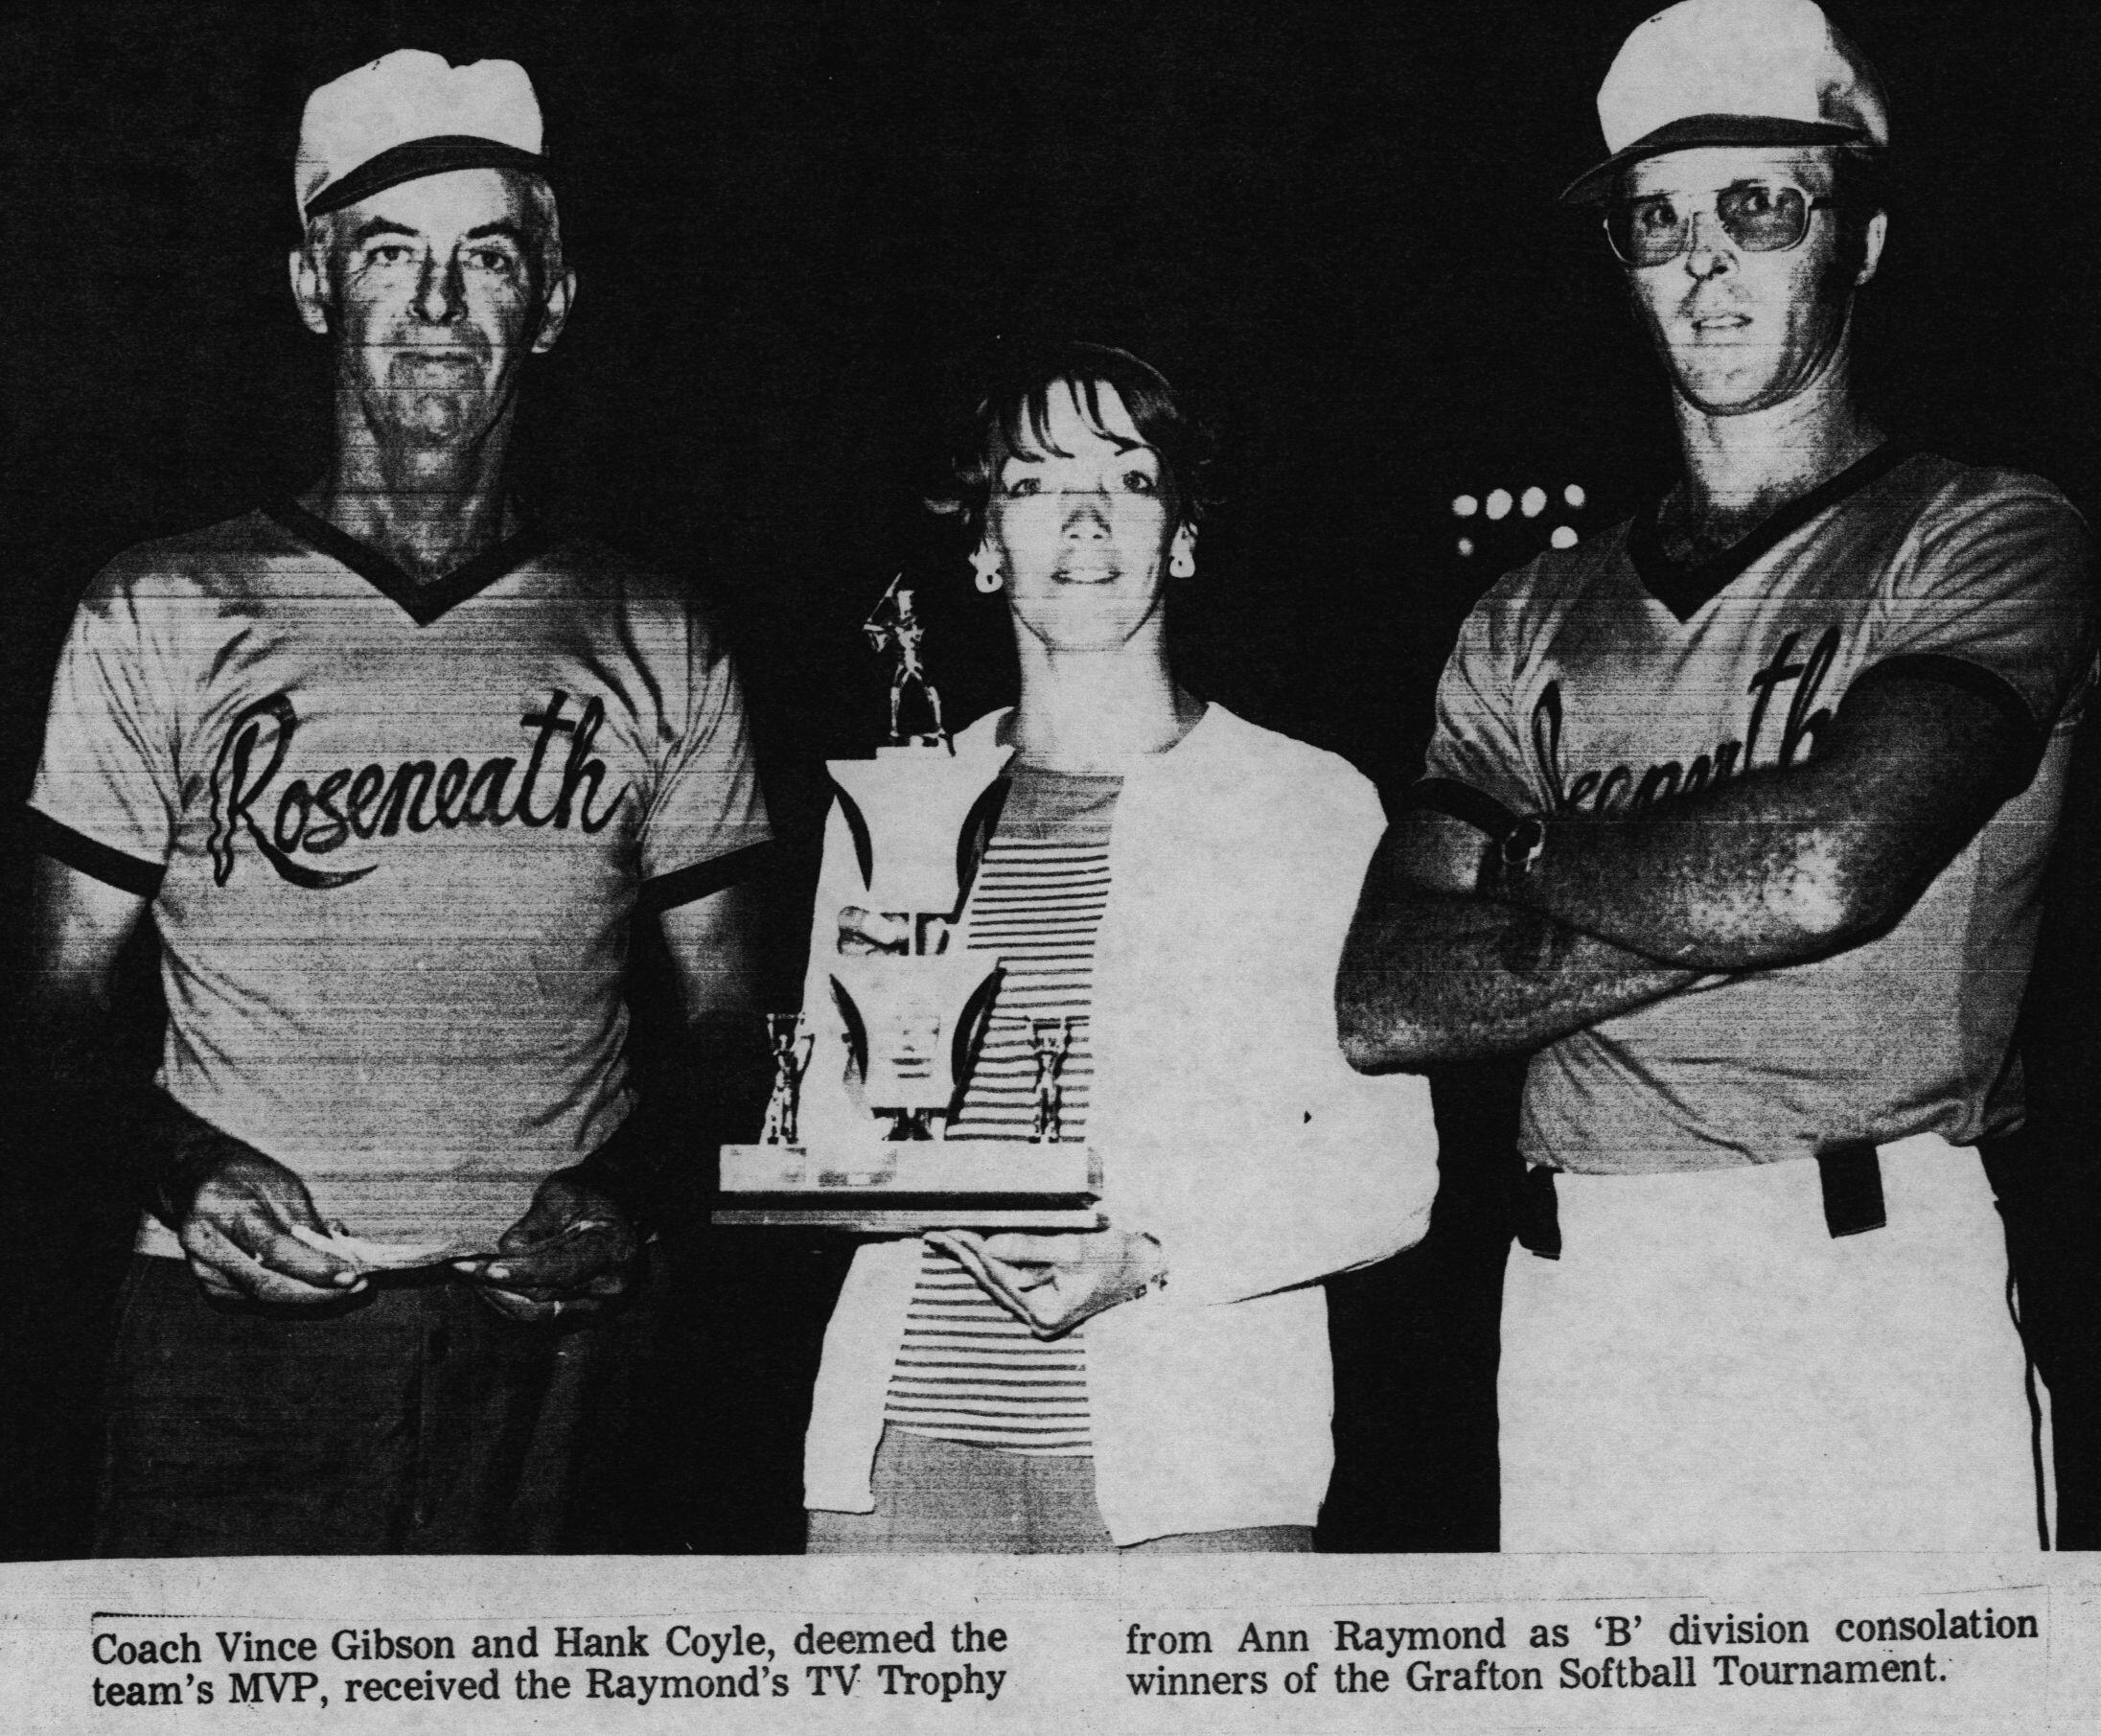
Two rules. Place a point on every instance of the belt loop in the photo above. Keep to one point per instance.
(1539, 1214)
(1851, 1174)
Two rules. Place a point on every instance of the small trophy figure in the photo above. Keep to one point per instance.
(791, 1046)
(1053, 1043)
(895, 627)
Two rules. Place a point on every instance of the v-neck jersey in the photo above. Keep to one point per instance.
(1574, 690)
(393, 865)
(1686, 586)
(423, 602)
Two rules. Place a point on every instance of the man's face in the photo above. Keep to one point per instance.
(1741, 329)
(432, 294)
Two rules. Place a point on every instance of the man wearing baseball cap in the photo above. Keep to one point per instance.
(1734, 815)
(394, 770)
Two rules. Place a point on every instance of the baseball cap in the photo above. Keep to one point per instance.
(409, 114)
(1733, 71)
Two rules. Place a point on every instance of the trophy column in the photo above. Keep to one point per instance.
(862, 1139)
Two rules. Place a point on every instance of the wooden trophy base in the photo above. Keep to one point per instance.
(905, 1186)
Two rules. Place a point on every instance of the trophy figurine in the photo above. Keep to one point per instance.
(1053, 1042)
(873, 1151)
(895, 626)
(792, 1045)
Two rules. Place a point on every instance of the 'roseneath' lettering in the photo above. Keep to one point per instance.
(1610, 790)
(316, 817)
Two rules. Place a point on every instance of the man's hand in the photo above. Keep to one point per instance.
(1431, 973)
(1053, 1282)
(570, 1255)
(237, 1237)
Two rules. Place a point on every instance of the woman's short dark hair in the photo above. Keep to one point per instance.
(1012, 413)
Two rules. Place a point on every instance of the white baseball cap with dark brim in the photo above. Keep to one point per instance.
(411, 114)
(1762, 73)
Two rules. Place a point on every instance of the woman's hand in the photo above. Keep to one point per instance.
(1052, 1281)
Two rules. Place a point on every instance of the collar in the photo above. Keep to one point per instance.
(423, 604)
(1684, 590)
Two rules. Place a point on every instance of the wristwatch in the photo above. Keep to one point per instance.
(1507, 860)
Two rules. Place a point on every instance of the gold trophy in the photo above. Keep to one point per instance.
(867, 1147)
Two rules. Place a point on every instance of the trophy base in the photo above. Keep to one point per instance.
(906, 1186)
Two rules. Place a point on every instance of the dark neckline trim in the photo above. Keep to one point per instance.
(1685, 590)
(423, 604)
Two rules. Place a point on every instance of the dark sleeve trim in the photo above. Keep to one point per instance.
(97, 861)
(682, 886)
(1459, 802)
(1970, 678)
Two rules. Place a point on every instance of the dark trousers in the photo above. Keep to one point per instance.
(415, 1420)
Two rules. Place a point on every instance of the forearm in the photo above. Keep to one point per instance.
(82, 1080)
(707, 1080)
(731, 1075)
(1788, 863)
(1430, 977)
(1300, 1225)
(1767, 871)
(1312, 1170)
(710, 1091)
(166, 1152)
(176, 1152)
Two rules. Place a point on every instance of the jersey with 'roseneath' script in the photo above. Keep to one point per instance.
(1602, 678)
(393, 836)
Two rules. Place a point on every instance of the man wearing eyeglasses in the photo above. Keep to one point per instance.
(1735, 818)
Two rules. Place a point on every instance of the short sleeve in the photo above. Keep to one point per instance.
(706, 827)
(1476, 746)
(107, 783)
(1998, 594)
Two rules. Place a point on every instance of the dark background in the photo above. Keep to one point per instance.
(793, 223)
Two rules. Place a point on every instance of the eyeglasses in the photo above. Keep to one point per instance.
(1760, 217)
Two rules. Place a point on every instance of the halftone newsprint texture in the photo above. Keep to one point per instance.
(394, 749)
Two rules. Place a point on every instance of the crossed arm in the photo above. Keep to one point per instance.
(1775, 867)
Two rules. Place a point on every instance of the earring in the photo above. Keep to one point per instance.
(986, 564)
(1182, 564)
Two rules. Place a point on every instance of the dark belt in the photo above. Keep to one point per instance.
(1851, 1174)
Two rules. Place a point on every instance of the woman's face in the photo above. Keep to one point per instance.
(1083, 526)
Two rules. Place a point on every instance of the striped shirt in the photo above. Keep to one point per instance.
(968, 1371)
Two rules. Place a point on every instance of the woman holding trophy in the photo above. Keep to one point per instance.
(1164, 891)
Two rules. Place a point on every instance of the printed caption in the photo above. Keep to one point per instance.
(147, 1661)
(1531, 1653)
